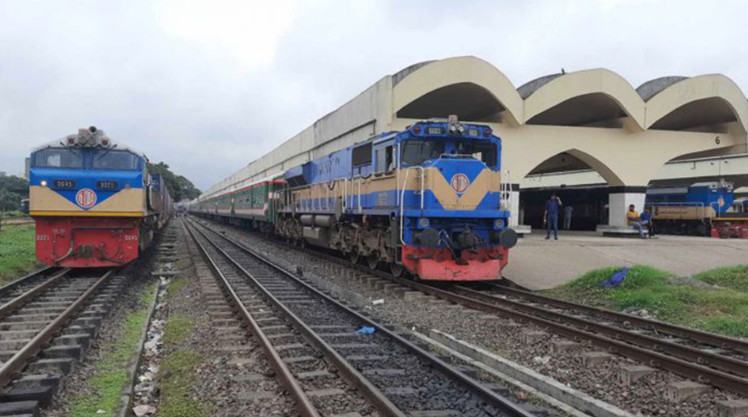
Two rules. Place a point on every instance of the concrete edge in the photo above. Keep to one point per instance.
(571, 411)
(571, 398)
(132, 371)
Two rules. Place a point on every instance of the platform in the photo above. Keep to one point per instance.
(536, 263)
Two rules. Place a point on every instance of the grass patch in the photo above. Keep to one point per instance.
(176, 330)
(178, 369)
(722, 311)
(111, 369)
(177, 284)
(177, 380)
(17, 251)
(10, 214)
(733, 277)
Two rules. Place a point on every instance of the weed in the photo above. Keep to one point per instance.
(722, 310)
(17, 251)
(111, 369)
(177, 328)
(734, 277)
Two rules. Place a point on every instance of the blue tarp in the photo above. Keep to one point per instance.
(616, 278)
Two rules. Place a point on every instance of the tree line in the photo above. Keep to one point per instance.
(12, 190)
(179, 187)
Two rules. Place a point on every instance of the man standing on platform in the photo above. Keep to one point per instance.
(552, 207)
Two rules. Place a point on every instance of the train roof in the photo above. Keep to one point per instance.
(239, 185)
(89, 138)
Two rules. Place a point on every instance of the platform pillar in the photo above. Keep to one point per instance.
(619, 200)
(514, 219)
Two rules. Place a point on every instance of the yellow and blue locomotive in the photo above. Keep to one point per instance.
(427, 200)
(93, 201)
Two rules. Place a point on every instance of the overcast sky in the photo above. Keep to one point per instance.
(209, 85)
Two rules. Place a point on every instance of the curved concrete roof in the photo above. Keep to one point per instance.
(574, 85)
(528, 88)
(716, 88)
(652, 87)
(596, 97)
(460, 71)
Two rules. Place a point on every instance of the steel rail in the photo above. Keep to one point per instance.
(723, 363)
(18, 361)
(474, 385)
(690, 370)
(18, 302)
(696, 371)
(22, 280)
(383, 405)
(693, 334)
(303, 404)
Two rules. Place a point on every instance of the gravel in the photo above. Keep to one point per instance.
(403, 370)
(75, 383)
(225, 378)
(646, 396)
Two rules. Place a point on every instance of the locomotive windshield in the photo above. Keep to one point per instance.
(57, 158)
(417, 151)
(109, 159)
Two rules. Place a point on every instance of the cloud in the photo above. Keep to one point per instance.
(208, 86)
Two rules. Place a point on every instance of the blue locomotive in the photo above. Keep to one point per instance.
(428, 200)
(93, 201)
(703, 209)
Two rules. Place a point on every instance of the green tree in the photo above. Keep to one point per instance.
(179, 187)
(12, 190)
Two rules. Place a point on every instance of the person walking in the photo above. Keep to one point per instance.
(552, 207)
(568, 212)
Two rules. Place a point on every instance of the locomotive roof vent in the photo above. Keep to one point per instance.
(89, 138)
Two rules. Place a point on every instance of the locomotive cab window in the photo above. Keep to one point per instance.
(385, 159)
(361, 155)
(58, 158)
(417, 151)
(482, 150)
(108, 159)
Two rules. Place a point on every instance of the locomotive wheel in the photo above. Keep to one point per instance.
(396, 269)
(372, 261)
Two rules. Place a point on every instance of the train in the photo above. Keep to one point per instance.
(701, 209)
(93, 201)
(427, 201)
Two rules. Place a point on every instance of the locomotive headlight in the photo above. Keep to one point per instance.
(423, 222)
(43, 183)
(498, 223)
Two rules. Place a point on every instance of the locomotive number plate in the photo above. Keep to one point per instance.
(106, 185)
(64, 184)
(435, 131)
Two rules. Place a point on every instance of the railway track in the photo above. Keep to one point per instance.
(21, 285)
(704, 357)
(394, 376)
(46, 322)
(721, 362)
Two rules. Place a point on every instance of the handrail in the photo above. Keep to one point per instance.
(360, 206)
(505, 201)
